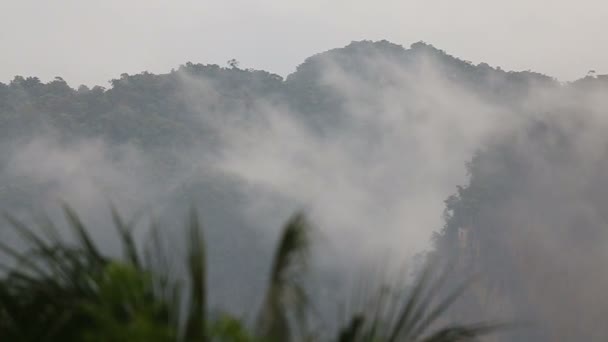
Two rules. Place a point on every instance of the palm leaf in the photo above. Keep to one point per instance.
(423, 323)
(462, 333)
(196, 320)
(82, 235)
(290, 257)
(412, 319)
(404, 319)
(126, 236)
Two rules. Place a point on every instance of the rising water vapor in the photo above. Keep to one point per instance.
(369, 140)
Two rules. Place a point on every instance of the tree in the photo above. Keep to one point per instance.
(58, 290)
(233, 63)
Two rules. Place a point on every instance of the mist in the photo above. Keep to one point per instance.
(90, 43)
(369, 140)
(378, 175)
(541, 200)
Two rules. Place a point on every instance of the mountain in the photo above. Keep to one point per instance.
(371, 138)
(155, 109)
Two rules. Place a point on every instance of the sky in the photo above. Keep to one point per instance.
(382, 178)
(91, 42)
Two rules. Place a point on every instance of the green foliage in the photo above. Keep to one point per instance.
(59, 291)
(229, 329)
(125, 308)
(196, 322)
(416, 314)
(284, 290)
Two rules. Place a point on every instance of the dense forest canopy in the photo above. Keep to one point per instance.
(371, 138)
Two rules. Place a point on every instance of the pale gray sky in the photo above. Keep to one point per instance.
(92, 41)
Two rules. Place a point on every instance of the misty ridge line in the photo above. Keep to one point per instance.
(431, 80)
(415, 48)
(371, 139)
(412, 83)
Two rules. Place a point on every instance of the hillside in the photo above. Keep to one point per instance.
(370, 138)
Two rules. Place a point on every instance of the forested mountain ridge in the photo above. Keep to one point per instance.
(144, 107)
(373, 133)
(153, 109)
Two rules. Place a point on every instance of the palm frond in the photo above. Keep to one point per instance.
(290, 257)
(404, 320)
(55, 290)
(429, 315)
(411, 318)
(196, 320)
(83, 235)
(462, 333)
(48, 228)
(126, 236)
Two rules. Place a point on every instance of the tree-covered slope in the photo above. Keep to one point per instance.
(371, 137)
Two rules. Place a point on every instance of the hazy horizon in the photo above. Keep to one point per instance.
(95, 42)
(396, 157)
